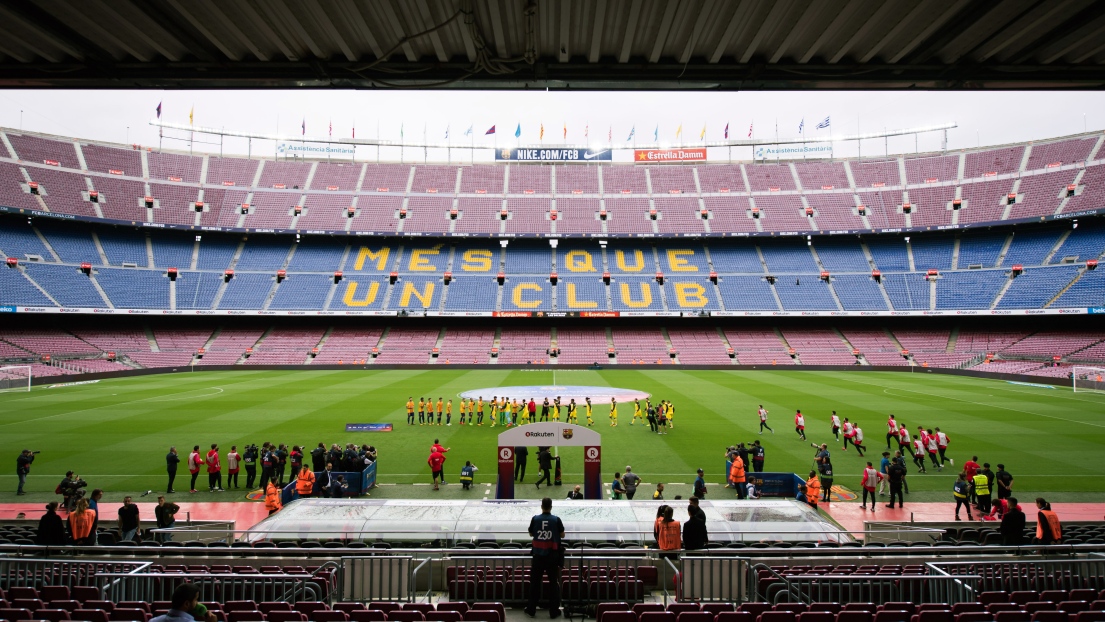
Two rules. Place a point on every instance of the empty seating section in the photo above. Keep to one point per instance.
(572, 180)
(821, 175)
(672, 179)
(770, 177)
(216, 253)
(528, 214)
(15, 289)
(858, 292)
(1030, 247)
(789, 257)
(261, 254)
(377, 213)
(66, 284)
(578, 215)
(876, 345)
(533, 179)
(175, 166)
(20, 241)
(112, 160)
(1035, 287)
(1086, 242)
(14, 191)
(810, 294)
(231, 171)
(581, 294)
(174, 204)
(345, 345)
(134, 289)
(222, 207)
(229, 345)
(736, 259)
(981, 250)
(284, 174)
(521, 293)
(477, 214)
(838, 255)
(617, 180)
(721, 178)
(628, 215)
(984, 201)
(408, 346)
(389, 178)
(758, 347)
(698, 346)
(434, 179)
(171, 251)
(285, 346)
(522, 345)
(581, 346)
(359, 293)
(33, 149)
(932, 253)
(931, 206)
(931, 169)
(883, 208)
(249, 291)
(835, 211)
(197, 290)
(1089, 290)
(783, 213)
(993, 161)
(1090, 191)
(466, 346)
(747, 293)
(482, 179)
(120, 199)
(273, 210)
(819, 347)
(427, 214)
(302, 292)
(325, 212)
(908, 292)
(730, 213)
(631, 293)
(62, 191)
(337, 177)
(875, 173)
(1040, 195)
(974, 289)
(314, 255)
(889, 253)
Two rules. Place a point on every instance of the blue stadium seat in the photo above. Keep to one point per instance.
(969, 289)
(247, 290)
(1033, 288)
(65, 284)
(302, 291)
(124, 247)
(908, 292)
(805, 293)
(858, 292)
(747, 293)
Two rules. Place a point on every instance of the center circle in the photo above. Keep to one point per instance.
(598, 395)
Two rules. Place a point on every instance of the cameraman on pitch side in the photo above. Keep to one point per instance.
(23, 467)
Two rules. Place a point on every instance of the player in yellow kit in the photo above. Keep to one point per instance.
(556, 411)
(572, 412)
(637, 412)
(590, 421)
(421, 411)
(479, 411)
(463, 410)
(410, 410)
(670, 413)
(494, 410)
(524, 413)
(513, 411)
(449, 412)
(440, 405)
(613, 412)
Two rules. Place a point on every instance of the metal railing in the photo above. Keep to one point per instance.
(381, 577)
(33, 572)
(1035, 575)
(217, 588)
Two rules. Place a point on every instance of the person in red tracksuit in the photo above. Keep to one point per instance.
(871, 479)
(214, 469)
(437, 464)
(195, 461)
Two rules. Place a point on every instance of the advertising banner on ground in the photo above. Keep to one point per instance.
(553, 155)
(654, 156)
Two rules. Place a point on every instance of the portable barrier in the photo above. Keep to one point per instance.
(214, 588)
(380, 577)
(712, 579)
(32, 572)
(1035, 575)
(933, 587)
(585, 579)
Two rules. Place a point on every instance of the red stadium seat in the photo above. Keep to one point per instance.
(406, 616)
(1050, 616)
(15, 614)
(423, 607)
(1012, 616)
(695, 616)
(459, 607)
(347, 607)
(716, 608)
(245, 616)
(367, 615)
(285, 616)
(324, 615)
(53, 615)
(442, 616)
(734, 616)
(656, 616)
(120, 614)
(309, 607)
(618, 616)
(50, 593)
(89, 615)
(479, 615)
(268, 607)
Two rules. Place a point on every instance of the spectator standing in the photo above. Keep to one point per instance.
(249, 459)
(544, 460)
(324, 479)
(631, 481)
(695, 536)
(129, 520)
(883, 465)
(521, 456)
(94, 505)
(171, 462)
(700, 485)
(737, 476)
(165, 517)
(895, 473)
(280, 463)
(233, 466)
(81, 520)
(547, 553)
(51, 529)
(23, 467)
(962, 492)
(617, 487)
(214, 469)
(899, 459)
(1003, 481)
(1012, 524)
(1048, 528)
(669, 531)
(195, 460)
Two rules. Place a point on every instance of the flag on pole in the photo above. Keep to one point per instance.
(586, 130)
(401, 128)
(656, 133)
(331, 127)
(518, 131)
(610, 134)
(468, 132)
(565, 131)
(726, 131)
(702, 134)
(541, 136)
(824, 124)
(801, 125)
(679, 131)
(490, 130)
(354, 129)
(158, 110)
(446, 132)
(632, 131)
(303, 127)
(191, 113)
(750, 130)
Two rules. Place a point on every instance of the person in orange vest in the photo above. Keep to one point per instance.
(81, 521)
(1048, 528)
(736, 475)
(272, 498)
(305, 483)
(813, 489)
(669, 532)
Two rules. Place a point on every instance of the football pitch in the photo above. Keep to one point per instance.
(115, 433)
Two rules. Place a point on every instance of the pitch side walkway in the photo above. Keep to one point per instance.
(852, 516)
(245, 514)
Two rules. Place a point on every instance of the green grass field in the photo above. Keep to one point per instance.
(115, 433)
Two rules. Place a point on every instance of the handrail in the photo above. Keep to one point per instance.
(790, 589)
(667, 563)
(429, 580)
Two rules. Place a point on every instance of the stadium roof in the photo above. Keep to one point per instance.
(555, 44)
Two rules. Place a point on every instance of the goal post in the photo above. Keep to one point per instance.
(1088, 378)
(15, 378)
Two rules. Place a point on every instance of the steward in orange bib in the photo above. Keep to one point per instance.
(736, 476)
(272, 498)
(813, 489)
(1048, 529)
(305, 483)
(669, 532)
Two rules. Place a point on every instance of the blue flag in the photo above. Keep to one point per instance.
(801, 125)
(158, 110)
(656, 133)
(518, 131)
(632, 131)
(468, 132)
(824, 124)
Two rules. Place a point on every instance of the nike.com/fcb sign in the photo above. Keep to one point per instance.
(553, 155)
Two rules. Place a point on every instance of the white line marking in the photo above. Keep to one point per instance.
(218, 390)
(115, 405)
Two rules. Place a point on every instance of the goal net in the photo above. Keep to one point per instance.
(1089, 379)
(15, 378)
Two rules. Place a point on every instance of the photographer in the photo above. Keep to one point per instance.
(71, 489)
(249, 459)
(23, 467)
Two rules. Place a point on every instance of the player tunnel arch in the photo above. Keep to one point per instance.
(551, 434)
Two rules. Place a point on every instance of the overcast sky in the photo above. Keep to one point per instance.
(983, 118)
